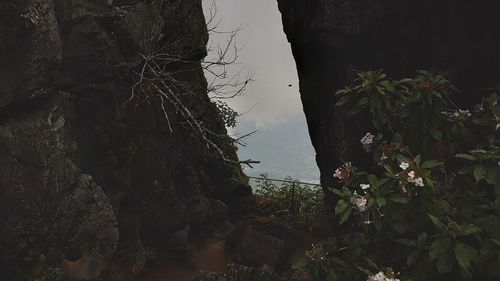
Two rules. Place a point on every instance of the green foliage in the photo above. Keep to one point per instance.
(52, 274)
(227, 114)
(430, 206)
(303, 200)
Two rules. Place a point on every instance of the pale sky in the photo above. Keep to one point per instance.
(282, 143)
(266, 51)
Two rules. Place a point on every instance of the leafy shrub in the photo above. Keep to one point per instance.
(303, 200)
(52, 274)
(430, 205)
(227, 114)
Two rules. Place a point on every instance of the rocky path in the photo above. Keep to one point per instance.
(211, 257)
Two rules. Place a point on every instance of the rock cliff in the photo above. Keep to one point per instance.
(91, 171)
(330, 38)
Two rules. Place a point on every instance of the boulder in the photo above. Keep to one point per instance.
(265, 240)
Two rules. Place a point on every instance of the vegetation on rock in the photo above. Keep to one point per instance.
(427, 207)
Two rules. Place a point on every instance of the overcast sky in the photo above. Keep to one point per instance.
(282, 143)
(266, 51)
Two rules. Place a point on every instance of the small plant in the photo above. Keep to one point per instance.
(430, 205)
(301, 199)
(52, 274)
(152, 255)
(227, 114)
(32, 16)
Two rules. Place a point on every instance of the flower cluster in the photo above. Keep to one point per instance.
(343, 173)
(410, 175)
(359, 201)
(367, 141)
(460, 113)
(317, 253)
(381, 276)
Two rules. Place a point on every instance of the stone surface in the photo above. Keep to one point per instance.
(48, 206)
(30, 44)
(264, 240)
(66, 110)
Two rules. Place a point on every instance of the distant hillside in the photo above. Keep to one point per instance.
(284, 149)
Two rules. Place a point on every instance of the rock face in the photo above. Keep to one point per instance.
(86, 165)
(330, 38)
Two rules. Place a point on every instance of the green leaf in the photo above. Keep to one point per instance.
(418, 159)
(341, 101)
(488, 250)
(466, 170)
(381, 182)
(372, 264)
(336, 191)
(463, 256)
(493, 176)
(422, 239)
(398, 199)
(412, 258)
(345, 216)
(406, 242)
(300, 263)
(389, 170)
(466, 157)
(468, 229)
(480, 172)
(364, 270)
(496, 241)
(436, 134)
(399, 228)
(331, 275)
(363, 101)
(437, 222)
(341, 207)
(439, 246)
(431, 164)
(444, 263)
(338, 261)
(381, 201)
(372, 180)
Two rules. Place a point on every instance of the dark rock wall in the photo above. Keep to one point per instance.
(84, 168)
(330, 38)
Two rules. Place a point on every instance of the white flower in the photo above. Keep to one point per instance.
(381, 277)
(465, 113)
(460, 113)
(497, 126)
(364, 186)
(377, 277)
(359, 202)
(337, 174)
(419, 182)
(411, 176)
(404, 165)
(367, 139)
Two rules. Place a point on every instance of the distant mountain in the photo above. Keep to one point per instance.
(284, 149)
